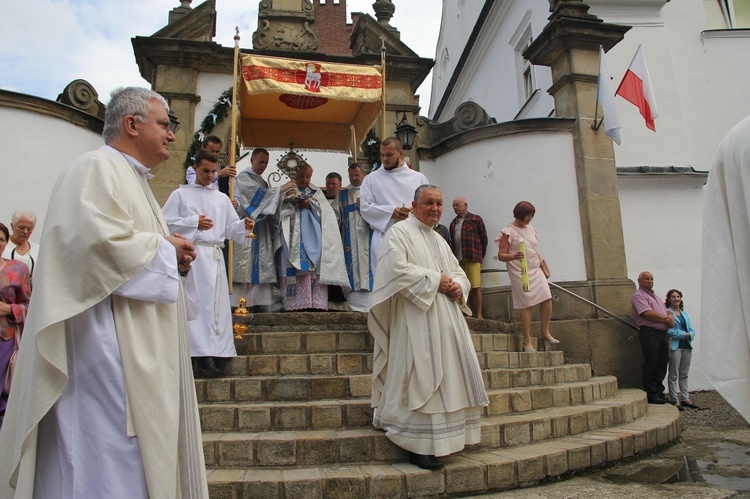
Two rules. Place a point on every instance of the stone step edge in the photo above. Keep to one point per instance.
(342, 341)
(328, 387)
(293, 449)
(353, 362)
(475, 472)
(224, 416)
(302, 376)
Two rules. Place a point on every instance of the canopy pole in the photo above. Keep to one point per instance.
(382, 114)
(353, 132)
(233, 149)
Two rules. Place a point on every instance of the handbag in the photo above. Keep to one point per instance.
(545, 268)
(12, 362)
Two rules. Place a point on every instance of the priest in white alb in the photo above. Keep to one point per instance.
(387, 192)
(725, 297)
(205, 216)
(427, 387)
(103, 400)
(356, 235)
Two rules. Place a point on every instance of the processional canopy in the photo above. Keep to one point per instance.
(310, 104)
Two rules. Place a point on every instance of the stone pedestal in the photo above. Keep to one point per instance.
(569, 45)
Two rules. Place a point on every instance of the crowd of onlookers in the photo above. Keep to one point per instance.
(17, 262)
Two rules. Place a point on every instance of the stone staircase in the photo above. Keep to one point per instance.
(292, 420)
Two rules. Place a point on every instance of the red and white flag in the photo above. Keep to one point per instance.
(636, 88)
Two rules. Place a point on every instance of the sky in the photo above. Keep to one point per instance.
(46, 44)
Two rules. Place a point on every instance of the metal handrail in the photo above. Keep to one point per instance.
(598, 307)
(578, 297)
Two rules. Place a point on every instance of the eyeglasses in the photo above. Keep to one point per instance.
(172, 125)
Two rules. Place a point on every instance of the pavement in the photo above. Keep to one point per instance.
(710, 460)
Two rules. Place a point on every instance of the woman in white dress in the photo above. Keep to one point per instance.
(538, 293)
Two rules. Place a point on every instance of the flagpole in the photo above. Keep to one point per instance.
(233, 149)
(382, 114)
(596, 126)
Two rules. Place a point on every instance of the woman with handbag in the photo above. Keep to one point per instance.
(14, 301)
(532, 288)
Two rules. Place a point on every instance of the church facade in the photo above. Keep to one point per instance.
(517, 132)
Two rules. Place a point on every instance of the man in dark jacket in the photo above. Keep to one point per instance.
(469, 245)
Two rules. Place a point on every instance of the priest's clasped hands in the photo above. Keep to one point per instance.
(185, 251)
(450, 288)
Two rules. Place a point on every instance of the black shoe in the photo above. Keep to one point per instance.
(425, 462)
(656, 400)
(210, 368)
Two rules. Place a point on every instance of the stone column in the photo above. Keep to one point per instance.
(178, 85)
(569, 44)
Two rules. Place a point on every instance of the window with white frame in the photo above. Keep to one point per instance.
(527, 74)
(526, 79)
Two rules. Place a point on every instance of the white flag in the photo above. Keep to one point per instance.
(606, 99)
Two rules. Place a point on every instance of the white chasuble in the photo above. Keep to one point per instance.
(103, 229)
(427, 384)
(724, 342)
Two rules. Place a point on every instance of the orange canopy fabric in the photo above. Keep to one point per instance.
(307, 104)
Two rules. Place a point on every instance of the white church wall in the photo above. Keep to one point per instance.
(491, 75)
(210, 86)
(41, 147)
(697, 77)
(495, 174)
(659, 217)
(458, 20)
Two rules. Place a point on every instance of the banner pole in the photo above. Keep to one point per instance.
(382, 114)
(233, 149)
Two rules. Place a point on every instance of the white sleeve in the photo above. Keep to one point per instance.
(159, 281)
(190, 175)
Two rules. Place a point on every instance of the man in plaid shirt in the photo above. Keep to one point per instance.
(469, 246)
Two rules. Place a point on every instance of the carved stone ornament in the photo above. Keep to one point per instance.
(81, 95)
(289, 30)
(384, 10)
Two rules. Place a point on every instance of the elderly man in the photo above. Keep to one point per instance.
(19, 247)
(469, 245)
(427, 387)
(205, 216)
(652, 317)
(312, 256)
(386, 192)
(254, 273)
(725, 293)
(356, 235)
(103, 401)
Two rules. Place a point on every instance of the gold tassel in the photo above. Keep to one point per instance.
(404, 389)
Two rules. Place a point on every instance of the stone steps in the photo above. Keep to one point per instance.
(343, 386)
(228, 416)
(355, 362)
(476, 470)
(367, 444)
(348, 340)
(292, 419)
